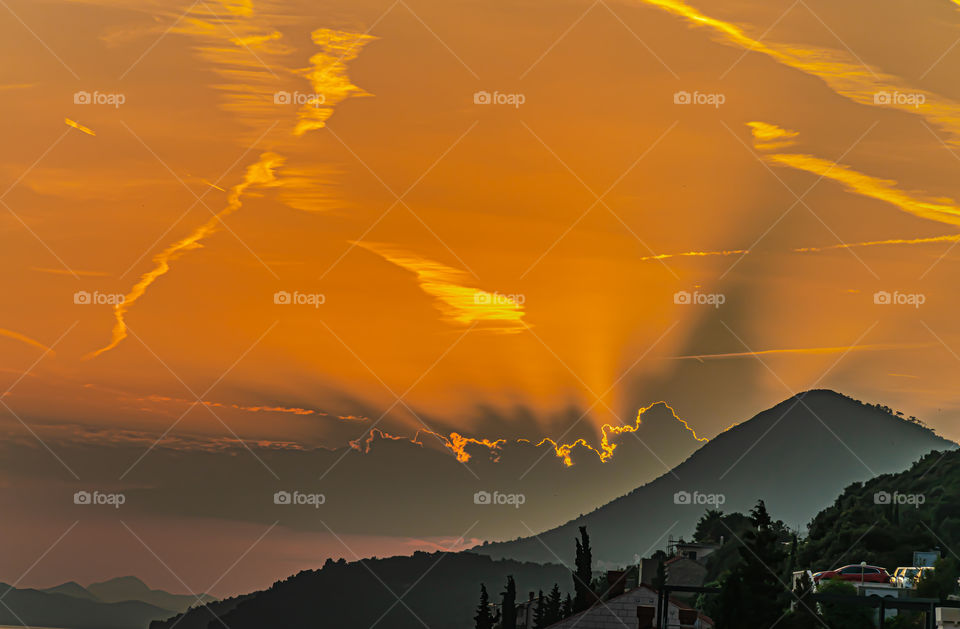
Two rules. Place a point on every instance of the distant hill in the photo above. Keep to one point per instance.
(885, 519)
(439, 590)
(71, 588)
(133, 589)
(797, 456)
(49, 609)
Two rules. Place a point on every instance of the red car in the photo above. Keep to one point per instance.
(865, 574)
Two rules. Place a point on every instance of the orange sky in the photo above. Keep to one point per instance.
(463, 256)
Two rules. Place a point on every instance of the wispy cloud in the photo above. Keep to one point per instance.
(70, 272)
(25, 339)
(79, 127)
(259, 174)
(328, 76)
(842, 71)
(459, 303)
(813, 351)
(769, 136)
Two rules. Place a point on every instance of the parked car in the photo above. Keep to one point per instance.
(855, 572)
(903, 577)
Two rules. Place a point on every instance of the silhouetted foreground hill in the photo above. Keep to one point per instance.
(885, 519)
(797, 456)
(439, 590)
(45, 609)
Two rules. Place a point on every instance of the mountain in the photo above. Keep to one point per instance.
(133, 589)
(885, 519)
(439, 590)
(71, 588)
(49, 609)
(796, 456)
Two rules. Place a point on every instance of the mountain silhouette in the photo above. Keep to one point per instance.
(133, 589)
(797, 456)
(39, 608)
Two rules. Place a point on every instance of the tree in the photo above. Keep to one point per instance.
(710, 527)
(567, 606)
(841, 615)
(752, 592)
(508, 615)
(554, 604)
(660, 579)
(940, 582)
(804, 614)
(583, 594)
(540, 612)
(483, 618)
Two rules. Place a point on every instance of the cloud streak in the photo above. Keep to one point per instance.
(460, 304)
(260, 173)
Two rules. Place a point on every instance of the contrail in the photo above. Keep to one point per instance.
(258, 174)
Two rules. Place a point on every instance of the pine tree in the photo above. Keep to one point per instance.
(539, 613)
(508, 615)
(554, 606)
(582, 576)
(483, 618)
(567, 606)
(752, 593)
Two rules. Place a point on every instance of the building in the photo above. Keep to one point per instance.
(681, 570)
(635, 607)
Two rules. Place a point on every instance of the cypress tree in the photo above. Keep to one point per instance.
(508, 615)
(483, 618)
(583, 594)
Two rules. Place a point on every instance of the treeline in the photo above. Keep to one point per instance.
(551, 608)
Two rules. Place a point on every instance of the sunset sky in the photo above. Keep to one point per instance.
(244, 226)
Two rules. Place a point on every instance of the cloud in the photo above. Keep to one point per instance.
(460, 304)
(770, 136)
(70, 272)
(841, 71)
(803, 351)
(328, 76)
(25, 339)
(940, 210)
(78, 126)
(260, 173)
